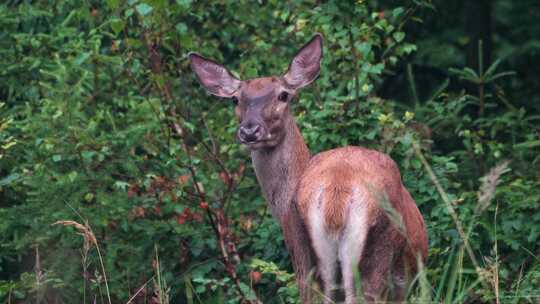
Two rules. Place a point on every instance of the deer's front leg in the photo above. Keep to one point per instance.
(299, 247)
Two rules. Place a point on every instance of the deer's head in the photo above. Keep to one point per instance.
(261, 104)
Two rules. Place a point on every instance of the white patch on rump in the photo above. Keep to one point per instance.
(325, 246)
(345, 246)
(352, 242)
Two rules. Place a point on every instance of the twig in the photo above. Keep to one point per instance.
(139, 290)
(356, 59)
(212, 139)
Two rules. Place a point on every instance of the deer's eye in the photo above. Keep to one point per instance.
(283, 96)
(235, 100)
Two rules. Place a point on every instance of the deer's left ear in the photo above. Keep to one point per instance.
(306, 65)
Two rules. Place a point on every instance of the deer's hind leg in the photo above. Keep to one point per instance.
(377, 267)
(351, 247)
(325, 246)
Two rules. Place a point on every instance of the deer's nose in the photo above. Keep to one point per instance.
(249, 133)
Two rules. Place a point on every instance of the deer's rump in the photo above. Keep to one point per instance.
(358, 212)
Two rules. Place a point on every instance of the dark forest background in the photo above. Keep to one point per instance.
(121, 180)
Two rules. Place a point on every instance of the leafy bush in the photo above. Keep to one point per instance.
(104, 124)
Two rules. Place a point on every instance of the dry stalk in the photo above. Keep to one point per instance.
(89, 240)
(489, 185)
(452, 212)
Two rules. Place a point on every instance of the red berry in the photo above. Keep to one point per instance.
(256, 276)
(181, 219)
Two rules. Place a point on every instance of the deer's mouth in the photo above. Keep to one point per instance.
(264, 141)
(255, 144)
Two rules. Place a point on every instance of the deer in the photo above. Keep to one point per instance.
(333, 207)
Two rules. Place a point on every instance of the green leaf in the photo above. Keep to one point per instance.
(408, 48)
(72, 176)
(113, 3)
(82, 58)
(9, 179)
(117, 25)
(399, 36)
(121, 185)
(143, 9)
(89, 196)
(500, 75)
(87, 155)
(377, 68)
(527, 144)
(129, 12)
(492, 68)
(440, 89)
(181, 28)
(184, 3)
(397, 12)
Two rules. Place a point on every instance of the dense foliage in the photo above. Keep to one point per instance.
(104, 132)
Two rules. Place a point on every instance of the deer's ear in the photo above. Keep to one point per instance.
(305, 66)
(214, 77)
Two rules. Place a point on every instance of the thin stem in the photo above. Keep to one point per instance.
(412, 84)
(480, 58)
(139, 290)
(451, 211)
(496, 272)
(104, 274)
(481, 100)
(158, 270)
(481, 76)
(356, 59)
(84, 255)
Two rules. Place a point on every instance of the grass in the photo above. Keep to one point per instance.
(161, 291)
(90, 242)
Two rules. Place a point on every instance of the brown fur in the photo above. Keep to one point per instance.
(337, 190)
(258, 86)
(278, 172)
(390, 250)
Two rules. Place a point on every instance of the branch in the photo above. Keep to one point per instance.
(220, 224)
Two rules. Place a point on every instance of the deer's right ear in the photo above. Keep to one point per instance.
(306, 65)
(216, 79)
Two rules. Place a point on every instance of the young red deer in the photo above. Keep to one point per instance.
(330, 206)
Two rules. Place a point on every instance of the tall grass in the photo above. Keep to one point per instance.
(452, 286)
(161, 290)
(90, 242)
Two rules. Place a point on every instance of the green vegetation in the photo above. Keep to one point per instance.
(105, 131)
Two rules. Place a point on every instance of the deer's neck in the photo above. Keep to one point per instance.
(279, 169)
